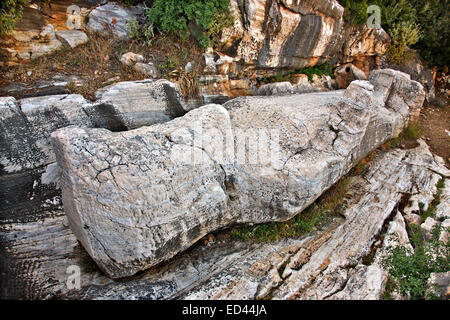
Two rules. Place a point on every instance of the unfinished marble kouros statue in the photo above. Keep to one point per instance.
(139, 197)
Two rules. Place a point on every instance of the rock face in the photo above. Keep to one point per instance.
(276, 36)
(139, 103)
(420, 73)
(364, 47)
(137, 198)
(284, 34)
(325, 275)
(41, 30)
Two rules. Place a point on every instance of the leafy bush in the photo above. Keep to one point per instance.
(409, 271)
(355, 11)
(10, 13)
(403, 34)
(210, 16)
(434, 18)
(403, 19)
(325, 69)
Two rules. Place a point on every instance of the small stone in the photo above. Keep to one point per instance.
(443, 236)
(48, 32)
(189, 66)
(428, 226)
(412, 219)
(446, 224)
(65, 222)
(441, 281)
(276, 88)
(130, 58)
(147, 69)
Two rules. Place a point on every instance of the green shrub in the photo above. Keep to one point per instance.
(139, 32)
(403, 34)
(406, 32)
(410, 271)
(10, 13)
(133, 27)
(355, 11)
(210, 16)
(325, 69)
(432, 17)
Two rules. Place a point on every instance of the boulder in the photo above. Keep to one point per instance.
(25, 133)
(147, 69)
(149, 178)
(428, 226)
(275, 88)
(418, 71)
(439, 283)
(443, 208)
(444, 231)
(26, 124)
(412, 219)
(137, 198)
(43, 44)
(138, 103)
(72, 38)
(113, 18)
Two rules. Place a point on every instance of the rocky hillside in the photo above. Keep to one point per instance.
(288, 159)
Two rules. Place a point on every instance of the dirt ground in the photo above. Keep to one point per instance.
(434, 125)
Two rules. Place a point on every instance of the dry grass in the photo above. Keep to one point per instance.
(97, 63)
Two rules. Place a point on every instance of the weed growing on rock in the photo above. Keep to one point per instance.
(436, 201)
(308, 221)
(10, 13)
(325, 69)
(404, 35)
(203, 19)
(409, 271)
(412, 131)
